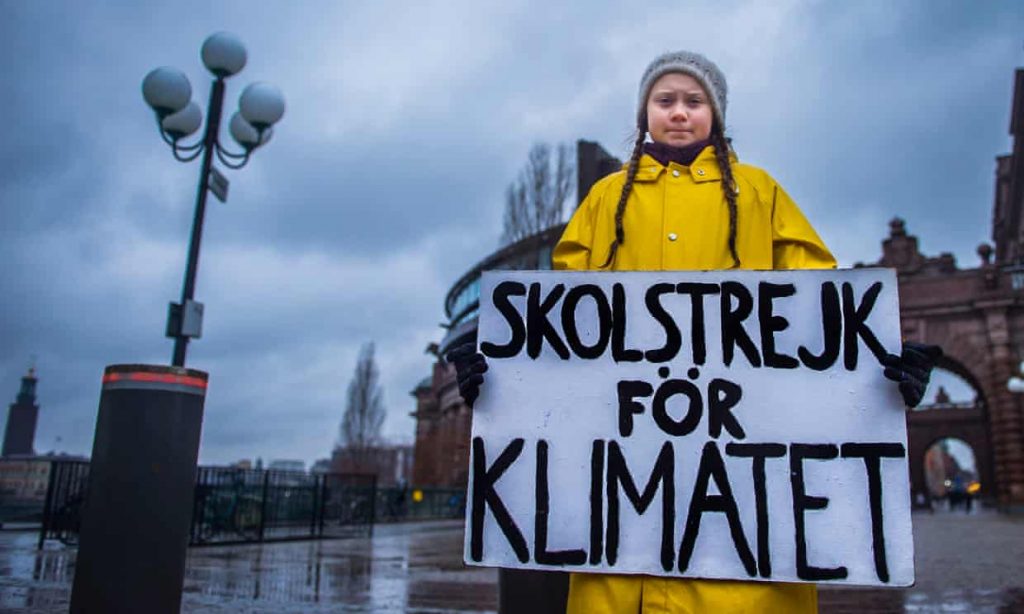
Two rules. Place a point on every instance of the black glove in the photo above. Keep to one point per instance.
(912, 369)
(470, 366)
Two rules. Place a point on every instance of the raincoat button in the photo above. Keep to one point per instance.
(672, 236)
(700, 172)
(675, 173)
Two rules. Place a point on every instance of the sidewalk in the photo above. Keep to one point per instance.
(964, 564)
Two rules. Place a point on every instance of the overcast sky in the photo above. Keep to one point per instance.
(384, 181)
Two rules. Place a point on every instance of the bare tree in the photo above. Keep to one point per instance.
(533, 202)
(364, 411)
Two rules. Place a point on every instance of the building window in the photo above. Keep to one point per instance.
(544, 258)
(469, 295)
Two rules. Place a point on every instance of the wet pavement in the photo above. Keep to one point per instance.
(415, 567)
(964, 564)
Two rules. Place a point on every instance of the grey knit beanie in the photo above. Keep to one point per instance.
(689, 63)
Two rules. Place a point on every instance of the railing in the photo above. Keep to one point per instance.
(65, 497)
(251, 505)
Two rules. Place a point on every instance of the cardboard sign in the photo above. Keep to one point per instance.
(732, 425)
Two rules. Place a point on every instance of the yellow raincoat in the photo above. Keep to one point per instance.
(677, 219)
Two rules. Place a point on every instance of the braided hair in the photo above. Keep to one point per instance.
(627, 187)
(729, 188)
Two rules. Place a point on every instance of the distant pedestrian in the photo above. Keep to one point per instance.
(397, 506)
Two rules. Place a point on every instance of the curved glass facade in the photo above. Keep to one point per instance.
(466, 301)
(463, 300)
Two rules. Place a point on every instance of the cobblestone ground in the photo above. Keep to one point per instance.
(964, 564)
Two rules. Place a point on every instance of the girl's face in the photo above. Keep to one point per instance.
(678, 110)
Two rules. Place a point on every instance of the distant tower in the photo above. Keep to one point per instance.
(21, 419)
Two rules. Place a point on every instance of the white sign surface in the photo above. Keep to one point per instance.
(731, 425)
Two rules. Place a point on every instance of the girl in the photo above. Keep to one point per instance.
(685, 202)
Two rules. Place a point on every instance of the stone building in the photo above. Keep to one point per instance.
(392, 464)
(24, 479)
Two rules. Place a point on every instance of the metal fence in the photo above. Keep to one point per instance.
(250, 505)
(65, 496)
(253, 505)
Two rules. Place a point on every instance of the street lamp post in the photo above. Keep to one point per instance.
(138, 508)
(261, 105)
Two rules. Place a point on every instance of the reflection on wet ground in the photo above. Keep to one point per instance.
(416, 568)
(964, 564)
(403, 568)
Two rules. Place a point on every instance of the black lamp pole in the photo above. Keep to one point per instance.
(168, 93)
(209, 145)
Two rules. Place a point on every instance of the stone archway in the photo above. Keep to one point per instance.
(951, 473)
(962, 417)
(977, 316)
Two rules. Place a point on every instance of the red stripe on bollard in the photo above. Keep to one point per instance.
(154, 378)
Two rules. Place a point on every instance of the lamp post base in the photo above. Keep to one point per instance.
(138, 510)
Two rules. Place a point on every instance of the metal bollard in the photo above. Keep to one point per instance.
(138, 509)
